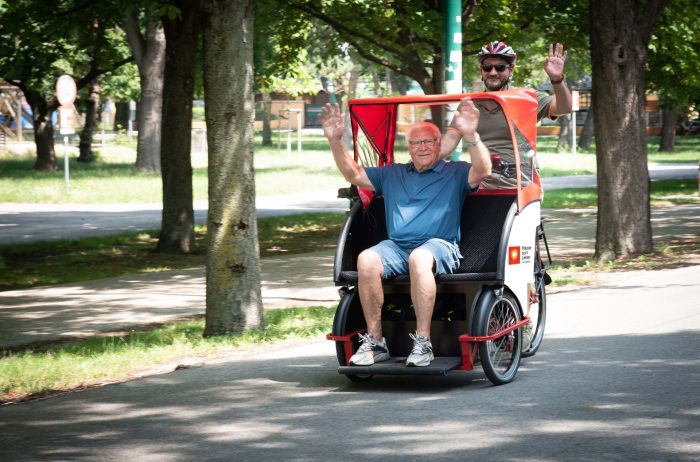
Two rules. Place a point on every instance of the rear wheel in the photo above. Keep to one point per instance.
(500, 358)
(346, 320)
(540, 282)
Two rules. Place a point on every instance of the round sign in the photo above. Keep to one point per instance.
(66, 90)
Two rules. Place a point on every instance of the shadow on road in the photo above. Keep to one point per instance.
(623, 397)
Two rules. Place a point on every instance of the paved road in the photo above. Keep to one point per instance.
(617, 379)
(26, 223)
(46, 222)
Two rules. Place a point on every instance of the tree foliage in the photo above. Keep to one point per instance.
(674, 55)
(41, 41)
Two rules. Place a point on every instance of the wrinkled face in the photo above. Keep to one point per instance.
(493, 79)
(424, 147)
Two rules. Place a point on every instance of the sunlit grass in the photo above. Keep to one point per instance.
(113, 179)
(104, 359)
(663, 193)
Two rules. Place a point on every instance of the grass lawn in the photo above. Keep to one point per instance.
(37, 371)
(112, 179)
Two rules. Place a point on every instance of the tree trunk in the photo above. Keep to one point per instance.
(87, 133)
(149, 53)
(375, 80)
(387, 81)
(43, 131)
(267, 119)
(620, 34)
(350, 84)
(234, 300)
(586, 139)
(177, 229)
(669, 120)
(563, 143)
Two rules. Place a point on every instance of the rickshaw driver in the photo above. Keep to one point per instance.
(423, 233)
(497, 63)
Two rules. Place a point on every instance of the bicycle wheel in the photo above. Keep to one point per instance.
(540, 290)
(500, 358)
(348, 318)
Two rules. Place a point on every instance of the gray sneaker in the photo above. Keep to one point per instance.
(422, 352)
(371, 351)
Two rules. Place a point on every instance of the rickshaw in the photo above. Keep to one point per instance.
(498, 291)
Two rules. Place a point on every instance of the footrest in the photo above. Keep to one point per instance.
(397, 366)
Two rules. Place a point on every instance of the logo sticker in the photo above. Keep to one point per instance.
(514, 255)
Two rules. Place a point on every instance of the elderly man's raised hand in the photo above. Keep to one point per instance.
(332, 121)
(554, 64)
(466, 119)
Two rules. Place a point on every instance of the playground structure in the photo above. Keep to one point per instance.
(13, 106)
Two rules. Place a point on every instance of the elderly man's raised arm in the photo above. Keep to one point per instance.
(333, 128)
(464, 124)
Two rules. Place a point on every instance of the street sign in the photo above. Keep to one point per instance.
(66, 90)
(575, 100)
(66, 120)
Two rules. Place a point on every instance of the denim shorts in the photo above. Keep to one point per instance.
(395, 258)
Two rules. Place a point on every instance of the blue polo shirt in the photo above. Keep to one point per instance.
(421, 205)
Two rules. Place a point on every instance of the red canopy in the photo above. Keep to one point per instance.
(376, 117)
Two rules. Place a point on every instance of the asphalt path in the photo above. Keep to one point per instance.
(616, 379)
(20, 223)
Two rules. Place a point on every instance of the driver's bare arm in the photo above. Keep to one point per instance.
(333, 127)
(554, 67)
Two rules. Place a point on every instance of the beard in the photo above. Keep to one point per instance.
(495, 84)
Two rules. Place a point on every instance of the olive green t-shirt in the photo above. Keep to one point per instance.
(494, 133)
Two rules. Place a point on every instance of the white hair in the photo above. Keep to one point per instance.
(425, 125)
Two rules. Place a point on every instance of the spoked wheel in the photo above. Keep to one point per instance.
(500, 358)
(540, 283)
(348, 319)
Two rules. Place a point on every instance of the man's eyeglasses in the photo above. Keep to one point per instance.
(417, 143)
(498, 67)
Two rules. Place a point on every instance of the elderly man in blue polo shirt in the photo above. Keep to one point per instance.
(421, 200)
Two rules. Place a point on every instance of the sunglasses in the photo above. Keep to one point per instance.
(499, 67)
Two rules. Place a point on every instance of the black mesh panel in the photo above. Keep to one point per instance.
(481, 224)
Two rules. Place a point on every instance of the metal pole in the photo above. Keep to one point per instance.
(18, 118)
(289, 131)
(331, 90)
(573, 132)
(279, 132)
(65, 162)
(299, 132)
(452, 56)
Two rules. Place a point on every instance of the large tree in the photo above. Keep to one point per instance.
(620, 35)
(181, 34)
(234, 300)
(146, 37)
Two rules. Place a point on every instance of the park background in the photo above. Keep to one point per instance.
(290, 65)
